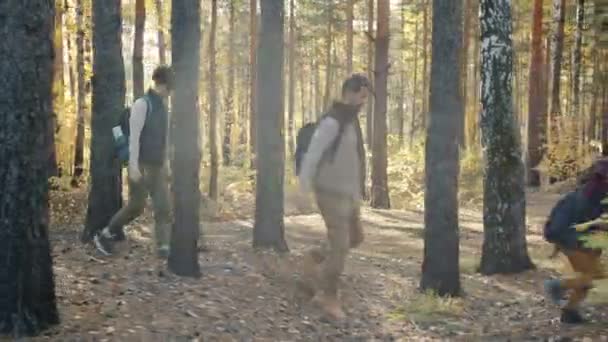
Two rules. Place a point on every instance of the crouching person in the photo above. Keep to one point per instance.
(579, 206)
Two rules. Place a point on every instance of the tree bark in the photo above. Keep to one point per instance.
(577, 63)
(108, 98)
(380, 193)
(559, 15)
(328, 47)
(138, 49)
(253, 33)
(465, 72)
(414, 87)
(185, 56)
(402, 77)
(27, 288)
(425, 58)
(58, 88)
(370, 70)
(350, 8)
(269, 228)
(292, 78)
(440, 268)
(536, 114)
(504, 246)
(162, 55)
(81, 98)
(230, 108)
(213, 179)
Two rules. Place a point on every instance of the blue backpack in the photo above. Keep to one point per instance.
(121, 132)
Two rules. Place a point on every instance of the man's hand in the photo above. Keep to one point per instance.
(134, 173)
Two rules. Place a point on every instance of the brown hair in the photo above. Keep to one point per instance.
(354, 83)
(163, 75)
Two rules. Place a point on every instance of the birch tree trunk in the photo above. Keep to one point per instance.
(27, 289)
(504, 216)
(440, 266)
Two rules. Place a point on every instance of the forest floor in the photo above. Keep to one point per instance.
(244, 295)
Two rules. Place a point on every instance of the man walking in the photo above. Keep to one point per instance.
(147, 165)
(334, 168)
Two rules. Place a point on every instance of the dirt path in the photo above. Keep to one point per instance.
(249, 296)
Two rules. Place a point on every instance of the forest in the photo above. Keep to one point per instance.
(481, 118)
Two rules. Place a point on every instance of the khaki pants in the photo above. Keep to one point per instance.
(154, 183)
(342, 218)
(588, 266)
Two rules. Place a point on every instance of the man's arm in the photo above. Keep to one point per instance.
(136, 124)
(323, 137)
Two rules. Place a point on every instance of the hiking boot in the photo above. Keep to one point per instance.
(572, 316)
(104, 242)
(330, 306)
(163, 251)
(553, 291)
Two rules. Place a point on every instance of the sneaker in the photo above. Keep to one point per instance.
(572, 316)
(104, 242)
(553, 291)
(163, 252)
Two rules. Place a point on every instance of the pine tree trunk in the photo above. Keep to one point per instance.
(547, 87)
(476, 75)
(292, 77)
(213, 179)
(185, 56)
(58, 88)
(350, 8)
(72, 72)
(253, 34)
(269, 227)
(440, 268)
(370, 70)
(230, 108)
(27, 289)
(595, 92)
(425, 58)
(81, 96)
(162, 55)
(504, 247)
(559, 14)
(108, 98)
(328, 47)
(536, 115)
(380, 194)
(465, 72)
(577, 62)
(138, 48)
(414, 88)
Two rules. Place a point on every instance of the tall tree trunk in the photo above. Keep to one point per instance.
(350, 9)
(440, 269)
(81, 98)
(58, 88)
(380, 194)
(185, 56)
(402, 77)
(292, 77)
(577, 63)
(138, 48)
(304, 101)
(604, 108)
(162, 55)
(253, 34)
(328, 47)
(370, 70)
(108, 98)
(425, 58)
(595, 88)
(465, 72)
(68, 40)
(269, 227)
(414, 87)
(504, 246)
(230, 108)
(27, 289)
(547, 87)
(213, 179)
(559, 15)
(536, 115)
(476, 75)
